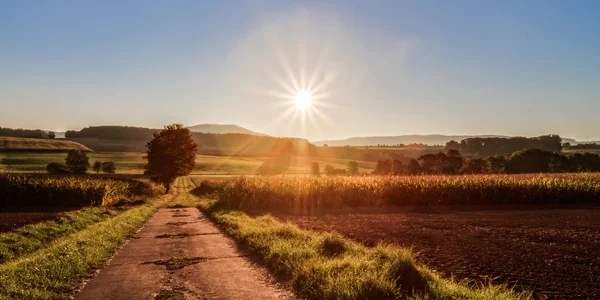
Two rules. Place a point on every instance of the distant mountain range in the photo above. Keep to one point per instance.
(432, 139)
(219, 128)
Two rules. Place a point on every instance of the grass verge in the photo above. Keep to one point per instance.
(55, 271)
(328, 266)
(33, 237)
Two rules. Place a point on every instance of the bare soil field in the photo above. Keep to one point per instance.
(10, 220)
(553, 252)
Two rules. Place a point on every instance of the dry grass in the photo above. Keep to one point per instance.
(31, 144)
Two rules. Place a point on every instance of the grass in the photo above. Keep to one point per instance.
(53, 272)
(133, 163)
(328, 266)
(31, 144)
(33, 237)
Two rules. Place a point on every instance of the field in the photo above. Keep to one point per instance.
(133, 163)
(570, 151)
(526, 231)
(31, 144)
(294, 193)
(552, 252)
(55, 229)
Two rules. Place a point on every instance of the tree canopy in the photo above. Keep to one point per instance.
(170, 154)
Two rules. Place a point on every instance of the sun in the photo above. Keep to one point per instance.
(303, 100)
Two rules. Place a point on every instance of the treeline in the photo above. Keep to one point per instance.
(26, 133)
(360, 154)
(591, 146)
(210, 143)
(520, 162)
(484, 147)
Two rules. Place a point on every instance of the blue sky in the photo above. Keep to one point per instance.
(381, 67)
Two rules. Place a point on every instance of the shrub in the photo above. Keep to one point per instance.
(56, 168)
(97, 166)
(77, 161)
(109, 167)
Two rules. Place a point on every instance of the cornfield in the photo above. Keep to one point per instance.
(46, 191)
(333, 192)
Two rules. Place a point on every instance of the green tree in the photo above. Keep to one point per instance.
(352, 168)
(97, 166)
(398, 168)
(170, 154)
(315, 170)
(77, 161)
(56, 168)
(413, 167)
(329, 170)
(109, 167)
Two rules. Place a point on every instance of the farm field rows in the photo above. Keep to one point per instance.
(526, 231)
(55, 229)
(529, 249)
(133, 163)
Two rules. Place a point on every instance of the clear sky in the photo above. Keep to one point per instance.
(373, 67)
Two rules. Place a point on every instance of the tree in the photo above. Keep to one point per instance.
(496, 164)
(56, 168)
(97, 166)
(398, 168)
(51, 135)
(352, 168)
(383, 167)
(170, 154)
(315, 169)
(475, 166)
(77, 161)
(329, 170)
(109, 167)
(413, 167)
(452, 162)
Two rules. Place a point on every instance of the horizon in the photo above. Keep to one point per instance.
(320, 71)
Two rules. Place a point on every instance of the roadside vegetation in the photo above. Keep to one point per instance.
(54, 271)
(46, 260)
(33, 237)
(66, 191)
(328, 266)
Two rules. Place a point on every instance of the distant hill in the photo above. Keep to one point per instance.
(220, 129)
(134, 139)
(432, 139)
(33, 144)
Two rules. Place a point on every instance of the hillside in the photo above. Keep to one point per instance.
(134, 139)
(432, 139)
(220, 129)
(32, 144)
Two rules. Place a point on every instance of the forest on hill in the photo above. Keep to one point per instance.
(125, 138)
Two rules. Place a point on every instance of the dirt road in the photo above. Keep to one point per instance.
(179, 254)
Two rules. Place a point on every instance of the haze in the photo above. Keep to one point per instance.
(378, 67)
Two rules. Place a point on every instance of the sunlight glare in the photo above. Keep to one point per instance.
(303, 100)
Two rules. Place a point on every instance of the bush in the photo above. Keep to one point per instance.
(109, 167)
(56, 168)
(97, 166)
(77, 161)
